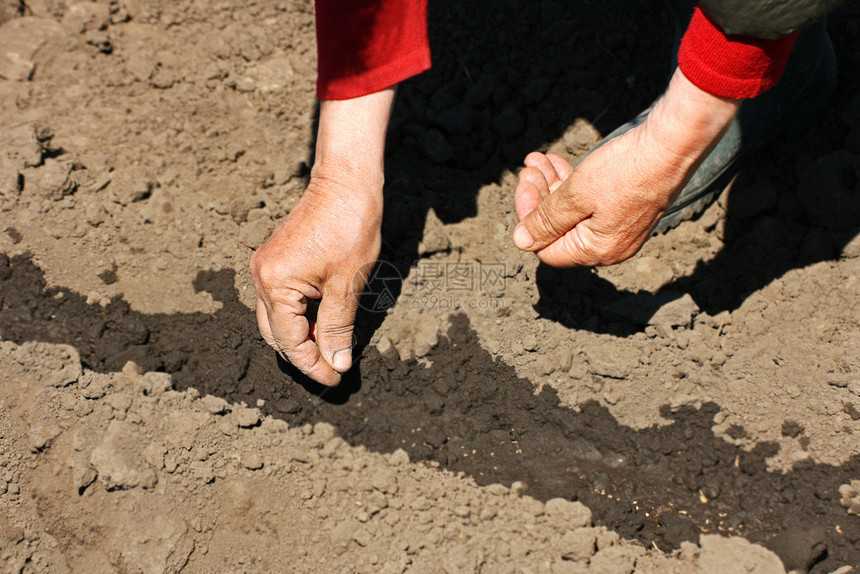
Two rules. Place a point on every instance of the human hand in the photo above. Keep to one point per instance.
(603, 211)
(320, 253)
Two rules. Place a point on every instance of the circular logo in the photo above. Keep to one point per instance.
(383, 285)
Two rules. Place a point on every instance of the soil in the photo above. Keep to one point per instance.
(695, 409)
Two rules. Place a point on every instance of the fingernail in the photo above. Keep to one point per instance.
(522, 239)
(341, 361)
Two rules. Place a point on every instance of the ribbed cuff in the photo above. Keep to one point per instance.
(353, 85)
(365, 46)
(734, 67)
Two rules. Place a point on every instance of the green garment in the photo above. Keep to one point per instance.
(766, 19)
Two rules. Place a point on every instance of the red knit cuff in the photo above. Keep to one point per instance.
(364, 46)
(353, 85)
(731, 66)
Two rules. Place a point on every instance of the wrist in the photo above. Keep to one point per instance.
(333, 178)
(347, 197)
(688, 121)
(351, 137)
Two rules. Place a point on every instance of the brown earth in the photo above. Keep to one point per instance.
(685, 411)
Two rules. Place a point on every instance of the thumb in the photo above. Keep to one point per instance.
(334, 327)
(555, 215)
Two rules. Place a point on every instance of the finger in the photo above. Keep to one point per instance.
(561, 165)
(531, 190)
(552, 218)
(576, 247)
(291, 336)
(527, 198)
(334, 328)
(585, 244)
(543, 163)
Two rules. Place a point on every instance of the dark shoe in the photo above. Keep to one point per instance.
(795, 104)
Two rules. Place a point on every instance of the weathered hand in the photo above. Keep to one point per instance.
(319, 253)
(603, 211)
(322, 251)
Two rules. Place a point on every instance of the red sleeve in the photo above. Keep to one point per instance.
(364, 46)
(731, 66)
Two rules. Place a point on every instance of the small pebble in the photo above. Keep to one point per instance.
(248, 417)
(252, 461)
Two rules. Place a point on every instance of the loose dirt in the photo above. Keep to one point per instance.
(692, 410)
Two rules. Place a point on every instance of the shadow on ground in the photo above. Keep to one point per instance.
(661, 485)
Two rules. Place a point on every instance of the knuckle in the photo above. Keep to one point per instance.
(543, 164)
(339, 331)
(545, 220)
(534, 157)
(604, 256)
(581, 251)
(531, 174)
(524, 176)
(267, 274)
(257, 264)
